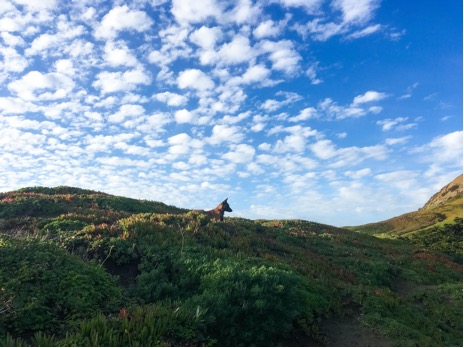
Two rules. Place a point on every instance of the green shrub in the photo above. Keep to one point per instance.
(164, 324)
(61, 228)
(251, 303)
(44, 286)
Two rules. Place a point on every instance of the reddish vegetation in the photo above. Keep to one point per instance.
(435, 258)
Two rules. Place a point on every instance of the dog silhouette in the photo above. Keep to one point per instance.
(217, 214)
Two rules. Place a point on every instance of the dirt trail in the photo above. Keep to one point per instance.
(348, 332)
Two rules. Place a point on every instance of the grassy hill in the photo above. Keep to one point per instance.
(83, 268)
(436, 226)
(45, 201)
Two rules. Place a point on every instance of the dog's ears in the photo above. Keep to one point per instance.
(225, 200)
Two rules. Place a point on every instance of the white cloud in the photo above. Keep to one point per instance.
(311, 72)
(305, 114)
(398, 124)
(356, 11)
(126, 111)
(282, 55)
(94, 116)
(324, 149)
(184, 145)
(52, 44)
(348, 156)
(224, 133)
(184, 116)
(123, 162)
(37, 5)
(235, 119)
(365, 32)
(331, 109)
(256, 74)
(206, 37)
(291, 143)
(358, 174)
(397, 141)
(171, 99)
(198, 160)
(118, 54)
(444, 149)
(244, 12)
(268, 28)
(24, 123)
(354, 14)
(180, 139)
(320, 31)
(295, 142)
(12, 61)
(368, 97)
(241, 153)
(196, 79)
(12, 40)
(65, 66)
(132, 149)
(235, 52)
(311, 6)
(121, 18)
(155, 123)
(53, 86)
(110, 82)
(186, 11)
(375, 109)
(273, 105)
(405, 180)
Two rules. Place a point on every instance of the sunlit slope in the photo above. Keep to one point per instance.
(436, 226)
(444, 207)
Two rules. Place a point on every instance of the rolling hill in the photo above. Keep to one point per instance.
(84, 268)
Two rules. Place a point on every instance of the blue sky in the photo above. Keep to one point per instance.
(339, 111)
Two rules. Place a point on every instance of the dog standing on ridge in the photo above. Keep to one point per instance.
(217, 214)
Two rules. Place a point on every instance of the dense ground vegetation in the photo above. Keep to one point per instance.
(82, 268)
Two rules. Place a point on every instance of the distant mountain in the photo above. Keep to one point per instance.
(437, 225)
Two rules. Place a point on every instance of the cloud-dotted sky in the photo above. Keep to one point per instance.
(337, 111)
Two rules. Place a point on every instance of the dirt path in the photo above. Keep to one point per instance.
(347, 332)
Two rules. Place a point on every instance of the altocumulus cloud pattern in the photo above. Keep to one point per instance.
(338, 111)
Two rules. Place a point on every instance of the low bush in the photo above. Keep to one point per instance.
(42, 287)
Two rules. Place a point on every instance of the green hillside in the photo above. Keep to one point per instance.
(45, 201)
(83, 268)
(437, 226)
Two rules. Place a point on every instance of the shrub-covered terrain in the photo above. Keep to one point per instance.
(82, 268)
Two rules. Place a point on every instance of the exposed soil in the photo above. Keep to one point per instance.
(348, 332)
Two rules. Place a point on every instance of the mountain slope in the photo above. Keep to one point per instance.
(445, 206)
(166, 279)
(436, 226)
(447, 194)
